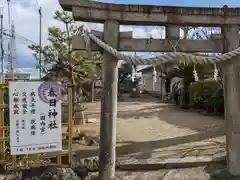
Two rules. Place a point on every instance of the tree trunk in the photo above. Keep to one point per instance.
(78, 117)
(185, 102)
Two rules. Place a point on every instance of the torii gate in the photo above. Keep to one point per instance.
(112, 15)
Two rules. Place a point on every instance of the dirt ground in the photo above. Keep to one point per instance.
(158, 141)
(150, 132)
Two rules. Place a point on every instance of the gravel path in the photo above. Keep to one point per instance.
(152, 132)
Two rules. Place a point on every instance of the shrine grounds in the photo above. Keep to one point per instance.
(155, 141)
(152, 135)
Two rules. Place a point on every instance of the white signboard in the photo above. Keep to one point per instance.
(35, 117)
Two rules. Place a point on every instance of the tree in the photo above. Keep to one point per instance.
(60, 62)
(184, 70)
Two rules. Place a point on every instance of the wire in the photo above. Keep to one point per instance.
(18, 36)
(37, 3)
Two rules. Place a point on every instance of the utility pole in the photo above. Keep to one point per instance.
(13, 49)
(40, 42)
(1, 41)
(9, 42)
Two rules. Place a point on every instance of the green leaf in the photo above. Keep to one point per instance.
(3, 86)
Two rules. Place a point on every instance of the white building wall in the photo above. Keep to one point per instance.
(148, 85)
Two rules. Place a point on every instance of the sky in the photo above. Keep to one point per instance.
(24, 14)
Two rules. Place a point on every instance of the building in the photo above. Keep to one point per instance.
(157, 87)
(148, 83)
(17, 76)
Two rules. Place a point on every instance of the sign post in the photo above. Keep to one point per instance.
(35, 117)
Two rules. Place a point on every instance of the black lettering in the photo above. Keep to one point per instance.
(53, 102)
(52, 125)
(15, 100)
(52, 93)
(16, 111)
(15, 106)
(33, 93)
(53, 113)
(24, 94)
(42, 117)
(33, 111)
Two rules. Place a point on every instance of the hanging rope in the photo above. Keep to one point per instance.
(133, 73)
(165, 58)
(195, 74)
(154, 74)
(215, 72)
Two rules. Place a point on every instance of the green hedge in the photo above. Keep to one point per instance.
(208, 95)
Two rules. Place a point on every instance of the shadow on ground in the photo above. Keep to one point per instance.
(145, 112)
(136, 113)
(135, 147)
(185, 119)
(172, 115)
(218, 171)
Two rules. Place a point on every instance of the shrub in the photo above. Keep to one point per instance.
(216, 103)
(208, 95)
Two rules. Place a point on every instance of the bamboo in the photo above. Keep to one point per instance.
(2, 131)
(70, 124)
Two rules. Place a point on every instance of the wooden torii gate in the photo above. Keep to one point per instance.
(112, 15)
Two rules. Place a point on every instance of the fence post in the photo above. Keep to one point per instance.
(70, 124)
(2, 131)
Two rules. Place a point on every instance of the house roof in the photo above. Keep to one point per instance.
(146, 69)
(149, 68)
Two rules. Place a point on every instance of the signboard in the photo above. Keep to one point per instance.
(35, 117)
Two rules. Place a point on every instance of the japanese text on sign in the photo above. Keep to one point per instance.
(35, 117)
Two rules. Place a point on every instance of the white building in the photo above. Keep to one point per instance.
(17, 76)
(158, 87)
(147, 80)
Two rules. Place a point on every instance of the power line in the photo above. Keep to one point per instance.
(18, 36)
(37, 3)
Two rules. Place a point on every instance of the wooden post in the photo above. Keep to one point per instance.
(2, 131)
(231, 71)
(107, 154)
(172, 32)
(93, 92)
(173, 36)
(2, 122)
(70, 124)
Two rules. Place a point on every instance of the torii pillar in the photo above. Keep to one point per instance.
(231, 71)
(107, 155)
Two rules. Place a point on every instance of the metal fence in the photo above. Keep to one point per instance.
(25, 161)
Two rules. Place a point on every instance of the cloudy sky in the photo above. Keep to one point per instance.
(24, 14)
